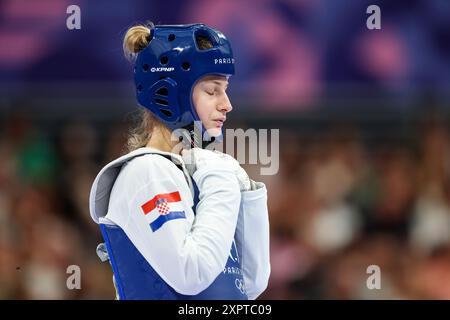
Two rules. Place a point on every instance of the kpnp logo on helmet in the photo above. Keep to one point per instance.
(162, 69)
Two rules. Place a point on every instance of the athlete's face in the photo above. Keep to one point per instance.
(211, 103)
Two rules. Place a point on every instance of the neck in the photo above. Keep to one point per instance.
(160, 139)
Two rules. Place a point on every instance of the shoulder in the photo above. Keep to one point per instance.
(150, 167)
(144, 177)
(147, 163)
(138, 171)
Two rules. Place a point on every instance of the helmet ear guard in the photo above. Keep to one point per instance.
(163, 98)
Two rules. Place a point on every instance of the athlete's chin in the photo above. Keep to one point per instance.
(214, 132)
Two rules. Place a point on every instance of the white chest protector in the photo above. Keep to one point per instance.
(134, 276)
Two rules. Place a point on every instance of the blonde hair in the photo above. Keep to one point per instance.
(135, 40)
(140, 134)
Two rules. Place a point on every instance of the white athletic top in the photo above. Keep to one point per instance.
(188, 251)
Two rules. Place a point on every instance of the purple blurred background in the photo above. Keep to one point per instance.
(364, 124)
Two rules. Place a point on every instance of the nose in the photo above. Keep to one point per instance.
(225, 104)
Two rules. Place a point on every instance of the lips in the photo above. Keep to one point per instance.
(219, 122)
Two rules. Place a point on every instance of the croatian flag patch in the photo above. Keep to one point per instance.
(164, 207)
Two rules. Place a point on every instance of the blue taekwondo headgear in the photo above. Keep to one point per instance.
(169, 67)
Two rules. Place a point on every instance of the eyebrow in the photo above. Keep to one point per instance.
(220, 83)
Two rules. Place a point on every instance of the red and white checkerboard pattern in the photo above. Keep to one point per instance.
(163, 208)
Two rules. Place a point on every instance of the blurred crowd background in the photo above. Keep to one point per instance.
(364, 121)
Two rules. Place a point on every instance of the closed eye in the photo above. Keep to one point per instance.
(215, 90)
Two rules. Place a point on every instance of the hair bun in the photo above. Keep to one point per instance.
(136, 39)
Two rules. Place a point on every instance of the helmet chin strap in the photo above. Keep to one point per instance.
(193, 137)
(200, 139)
